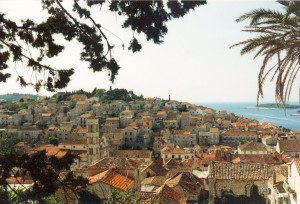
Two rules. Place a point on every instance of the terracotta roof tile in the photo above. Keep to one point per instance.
(181, 132)
(187, 181)
(51, 150)
(112, 119)
(239, 133)
(86, 115)
(118, 162)
(18, 180)
(154, 180)
(79, 103)
(289, 145)
(112, 178)
(80, 131)
(227, 171)
(254, 146)
(95, 105)
(78, 96)
(168, 195)
(131, 153)
(158, 169)
(74, 142)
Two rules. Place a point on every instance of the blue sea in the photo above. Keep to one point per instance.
(278, 117)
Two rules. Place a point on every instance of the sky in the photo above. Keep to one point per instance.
(193, 64)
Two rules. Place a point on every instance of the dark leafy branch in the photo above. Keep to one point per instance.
(47, 173)
(20, 41)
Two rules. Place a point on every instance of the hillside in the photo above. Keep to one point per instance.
(16, 96)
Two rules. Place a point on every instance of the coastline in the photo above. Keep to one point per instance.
(263, 108)
(276, 116)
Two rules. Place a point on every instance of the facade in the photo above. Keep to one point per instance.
(278, 189)
(252, 147)
(93, 141)
(130, 134)
(102, 184)
(184, 138)
(290, 147)
(185, 119)
(294, 182)
(210, 137)
(175, 152)
(236, 137)
(249, 180)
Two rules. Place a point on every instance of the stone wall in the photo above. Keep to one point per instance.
(237, 187)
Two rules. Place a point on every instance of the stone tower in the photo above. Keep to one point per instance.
(93, 143)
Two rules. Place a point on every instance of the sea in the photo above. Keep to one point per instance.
(278, 117)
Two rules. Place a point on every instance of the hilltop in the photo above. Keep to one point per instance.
(16, 96)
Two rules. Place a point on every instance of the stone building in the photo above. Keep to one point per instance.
(253, 148)
(236, 137)
(185, 119)
(210, 137)
(184, 138)
(290, 147)
(249, 180)
(93, 141)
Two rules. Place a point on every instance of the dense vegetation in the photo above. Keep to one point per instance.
(16, 96)
(103, 95)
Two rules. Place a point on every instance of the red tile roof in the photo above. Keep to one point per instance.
(227, 171)
(79, 96)
(167, 195)
(289, 145)
(51, 150)
(18, 180)
(75, 142)
(112, 178)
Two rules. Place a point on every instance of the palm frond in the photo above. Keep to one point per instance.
(277, 35)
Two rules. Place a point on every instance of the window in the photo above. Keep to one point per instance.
(90, 150)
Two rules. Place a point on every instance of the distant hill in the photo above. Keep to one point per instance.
(16, 96)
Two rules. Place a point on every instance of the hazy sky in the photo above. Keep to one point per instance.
(193, 64)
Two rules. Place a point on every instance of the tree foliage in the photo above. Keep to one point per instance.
(121, 94)
(77, 24)
(277, 37)
(45, 171)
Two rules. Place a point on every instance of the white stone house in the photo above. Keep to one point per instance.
(184, 138)
(290, 147)
(294, 182)
(176, 152)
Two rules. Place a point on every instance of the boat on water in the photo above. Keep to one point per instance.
(295, 114)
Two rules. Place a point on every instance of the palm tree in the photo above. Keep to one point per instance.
(277, 37)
